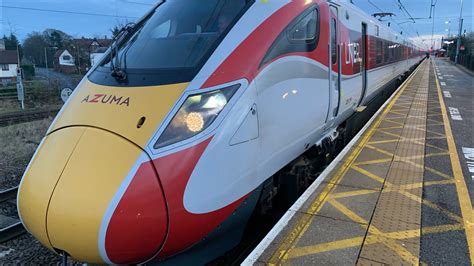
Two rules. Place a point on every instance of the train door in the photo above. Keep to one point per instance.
(364, 62)
(334, 65)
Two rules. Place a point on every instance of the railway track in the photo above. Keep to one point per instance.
(10, 227)
(25, 116)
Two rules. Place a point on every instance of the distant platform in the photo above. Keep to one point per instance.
(400, 193)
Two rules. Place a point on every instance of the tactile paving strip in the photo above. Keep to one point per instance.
(395, 212)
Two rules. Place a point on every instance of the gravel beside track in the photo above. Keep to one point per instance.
(26, 250)
(9, 209)
(11, 175)
(18, 143)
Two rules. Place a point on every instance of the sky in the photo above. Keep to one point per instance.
(95, 18)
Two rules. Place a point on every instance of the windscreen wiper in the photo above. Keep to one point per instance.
(116, 71)
(123, 57)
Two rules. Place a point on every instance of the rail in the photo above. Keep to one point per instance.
(25, 116)
(8, 194)
(15, 229)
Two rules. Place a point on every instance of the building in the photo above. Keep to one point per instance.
(97, 55)
(8, 66)
(90, 51)
(64, 62)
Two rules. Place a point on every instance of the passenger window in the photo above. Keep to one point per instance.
(333, 41)
(301, 35)
(392, 53)
(379, 52)
(386, 52)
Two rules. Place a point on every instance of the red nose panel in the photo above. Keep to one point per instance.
(138, 226)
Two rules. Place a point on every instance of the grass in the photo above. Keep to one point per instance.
(17, 145)
(9, 106)
(14, 106)
(39, 95)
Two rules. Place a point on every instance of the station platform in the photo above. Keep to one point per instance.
(398, 194)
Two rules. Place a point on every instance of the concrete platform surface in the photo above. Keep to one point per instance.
(399, 194)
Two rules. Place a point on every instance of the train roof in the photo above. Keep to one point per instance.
(384, 31)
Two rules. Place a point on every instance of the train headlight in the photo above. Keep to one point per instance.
(196, 114)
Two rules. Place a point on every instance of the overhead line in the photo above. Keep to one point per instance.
(374, 5)
(409, 17)
(437, 18)
(65, 12)
(402, 7)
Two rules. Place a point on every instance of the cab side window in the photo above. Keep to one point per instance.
(301, 35)
(305, 29)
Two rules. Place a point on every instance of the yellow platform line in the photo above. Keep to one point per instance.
(398, 113)
(291, 239)
(407, 160)
(375, 235)
(389, 133)
(388, 128)
(325, 247)
(363, 192)
(431, 205)
(373, 162)
(439, 137)
(461, 188)
(357, 241)
(369, 174)
(393, 122)
(441, 229)
(436, 147)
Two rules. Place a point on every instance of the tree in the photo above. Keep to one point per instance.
(12, 43)
(51, 39)
(115, 31)
(34, 46)
(117, 28)
(57, 38)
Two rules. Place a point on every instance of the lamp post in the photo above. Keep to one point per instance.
(433, 6)
(460, 34)
(78, 57)
(46, 61)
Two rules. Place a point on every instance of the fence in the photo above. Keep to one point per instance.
(466, 60)
(37, 94)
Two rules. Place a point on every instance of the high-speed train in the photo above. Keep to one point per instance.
(162, 152)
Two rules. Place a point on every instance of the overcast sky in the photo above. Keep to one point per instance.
(94, 18)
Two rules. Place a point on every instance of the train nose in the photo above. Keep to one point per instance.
(95, 196)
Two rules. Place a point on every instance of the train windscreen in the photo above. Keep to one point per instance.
(179, 34)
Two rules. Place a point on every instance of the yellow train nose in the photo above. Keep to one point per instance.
(68, 189)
